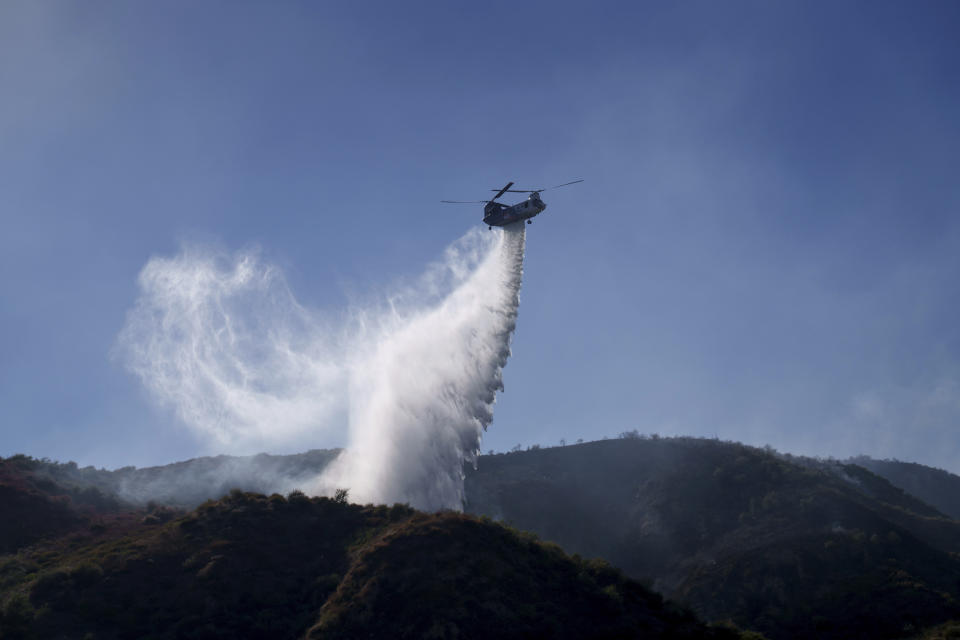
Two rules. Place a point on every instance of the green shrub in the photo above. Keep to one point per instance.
(16, 617)
(86, 575)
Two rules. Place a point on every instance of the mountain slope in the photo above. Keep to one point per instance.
(253, 566)
(935, 486)
(738, 532)
(791, 546)
(186, 484)
(34, 506)
(476, 579)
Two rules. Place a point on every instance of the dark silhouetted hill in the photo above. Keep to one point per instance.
(253, 566)
(186, 484)
(35, 506)
(791, 547)
(934, 486)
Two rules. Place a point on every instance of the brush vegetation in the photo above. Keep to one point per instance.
(255, 566)
(936, 487)
(791, 547)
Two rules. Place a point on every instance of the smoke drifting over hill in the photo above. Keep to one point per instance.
(223, 341)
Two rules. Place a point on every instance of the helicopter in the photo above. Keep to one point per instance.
(496, 214)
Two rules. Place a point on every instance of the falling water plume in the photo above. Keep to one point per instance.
(222, 340)
(422, 397)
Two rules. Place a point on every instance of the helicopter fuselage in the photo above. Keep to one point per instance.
(499, 215)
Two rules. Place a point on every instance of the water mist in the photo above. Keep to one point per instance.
(223, 341)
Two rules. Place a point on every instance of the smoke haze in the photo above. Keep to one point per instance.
(222, 340)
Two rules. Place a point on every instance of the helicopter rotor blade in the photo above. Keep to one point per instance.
(502, 191)
(534, 190)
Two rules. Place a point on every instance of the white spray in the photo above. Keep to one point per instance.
(420, 400)
(222, 340)
(225, 343)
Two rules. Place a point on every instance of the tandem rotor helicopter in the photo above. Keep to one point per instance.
(496, 214)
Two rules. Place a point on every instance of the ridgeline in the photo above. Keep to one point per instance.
(745, 537)
(256, 566)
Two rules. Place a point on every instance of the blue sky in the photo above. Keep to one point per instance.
(766, 247)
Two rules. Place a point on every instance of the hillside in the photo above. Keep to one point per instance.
(790, 548)
(34, 506)
(253, 566)
(186, 484)
(934, 486)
